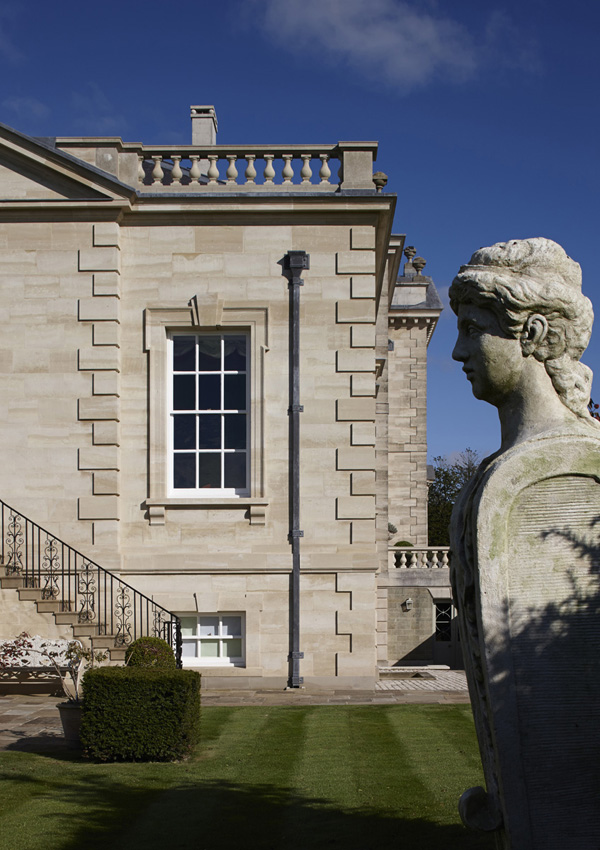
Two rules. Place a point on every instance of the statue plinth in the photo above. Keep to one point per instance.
(526, 577)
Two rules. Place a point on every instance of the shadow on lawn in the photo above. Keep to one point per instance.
(102, 813)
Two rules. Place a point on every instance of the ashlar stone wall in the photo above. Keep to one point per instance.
(212, 553)
(407, 431)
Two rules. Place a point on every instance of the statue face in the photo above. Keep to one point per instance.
(492, 361)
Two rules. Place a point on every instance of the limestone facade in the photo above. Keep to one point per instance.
(110, 251)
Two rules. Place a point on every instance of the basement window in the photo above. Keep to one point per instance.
(213, 639)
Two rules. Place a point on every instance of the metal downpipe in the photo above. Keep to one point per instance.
(295, 262)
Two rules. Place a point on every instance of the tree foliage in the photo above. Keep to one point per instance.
(449, 479)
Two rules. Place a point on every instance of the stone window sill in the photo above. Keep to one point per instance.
(256, 509)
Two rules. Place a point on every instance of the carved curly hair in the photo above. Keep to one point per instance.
(525, 276)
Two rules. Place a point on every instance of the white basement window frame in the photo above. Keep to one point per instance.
(161, 325)
(213, 639)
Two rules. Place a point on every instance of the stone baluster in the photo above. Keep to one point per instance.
(288, 171)
(306, 172)
(213, 171)
(325, 172)
(445, 562)
(413, 560)
(157, 172)
(424, 561)
(141, 172)
(269, 170)
(232, 172)
(401, 561)
(195, 169)
(434, 559)
(250, 170)
(176, 172)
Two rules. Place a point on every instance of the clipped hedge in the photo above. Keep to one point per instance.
(140, 713)
(150, 652)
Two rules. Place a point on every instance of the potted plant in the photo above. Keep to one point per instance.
(71, 664)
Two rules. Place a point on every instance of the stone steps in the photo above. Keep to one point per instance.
(90, 633)
(48, 606)
(11, 581)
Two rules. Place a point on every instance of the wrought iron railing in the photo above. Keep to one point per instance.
(418, 557)
(97, 597)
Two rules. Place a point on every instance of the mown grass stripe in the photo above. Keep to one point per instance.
(372, 789)
(243, 771)
(441, 751)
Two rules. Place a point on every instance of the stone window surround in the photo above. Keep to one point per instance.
(159, 322)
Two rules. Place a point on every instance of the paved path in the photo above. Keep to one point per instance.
(443, 680)
(32, 723)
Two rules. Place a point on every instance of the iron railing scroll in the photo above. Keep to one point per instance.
(80, 586)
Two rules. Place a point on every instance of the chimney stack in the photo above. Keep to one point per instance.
(204, 125)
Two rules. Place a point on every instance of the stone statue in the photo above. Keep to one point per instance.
(525, 540)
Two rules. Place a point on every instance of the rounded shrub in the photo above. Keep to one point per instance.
(150, 652)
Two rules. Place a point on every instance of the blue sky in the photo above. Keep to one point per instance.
(486, 114)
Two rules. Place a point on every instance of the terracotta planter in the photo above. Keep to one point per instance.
(70, 716)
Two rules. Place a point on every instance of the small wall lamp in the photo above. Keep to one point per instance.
(407, 604)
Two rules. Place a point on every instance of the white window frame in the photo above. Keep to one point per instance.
(172, 451)
(220, 661)
(159, 323)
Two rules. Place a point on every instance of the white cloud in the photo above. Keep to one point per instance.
(26, 107)
(397, 43)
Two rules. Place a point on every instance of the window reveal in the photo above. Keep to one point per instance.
(209, 413)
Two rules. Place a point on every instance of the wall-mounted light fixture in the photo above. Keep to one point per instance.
(407, 604)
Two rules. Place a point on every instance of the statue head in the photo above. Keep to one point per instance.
(530, 291)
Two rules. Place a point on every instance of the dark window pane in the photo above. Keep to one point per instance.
(210, 431)
(443, 633)
(443, 618)
(184, 353)
(235, 354)
(209, 626)
(209, 353)
(184, 471)
(209, 387)
(209, 649)
(235, 392)
(232, 648)
(235, 431)
(231, 626)
(235, 470)
(209, 471)
(184, 432)
(184, 392)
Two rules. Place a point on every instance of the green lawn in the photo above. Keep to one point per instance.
(353, 777)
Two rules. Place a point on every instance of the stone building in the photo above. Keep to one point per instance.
(214, 394)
